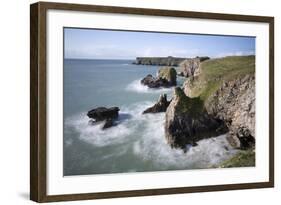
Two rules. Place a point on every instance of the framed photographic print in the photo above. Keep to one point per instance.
(135, 102)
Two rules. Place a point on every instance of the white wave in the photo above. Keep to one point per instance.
(95, 134)
(136, 86)
(142, 136)
(152, 146)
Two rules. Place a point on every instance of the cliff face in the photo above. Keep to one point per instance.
(234, 102)
(191, 67)
(187, 121)
(226, 89)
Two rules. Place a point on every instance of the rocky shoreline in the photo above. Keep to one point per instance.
(217, 97)
(207, 107)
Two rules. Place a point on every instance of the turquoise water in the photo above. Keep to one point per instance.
(138, 143)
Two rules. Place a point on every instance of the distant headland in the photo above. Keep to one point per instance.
(165, 61)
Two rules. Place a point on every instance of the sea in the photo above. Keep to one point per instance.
(137, 143)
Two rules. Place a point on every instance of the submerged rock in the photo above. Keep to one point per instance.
(187, 121)
(167, 77)
(109, 115)
(160, 106)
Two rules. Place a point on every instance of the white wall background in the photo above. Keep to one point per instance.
(14, 103)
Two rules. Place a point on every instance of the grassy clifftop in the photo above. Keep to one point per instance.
(241, 159)
(214, 72)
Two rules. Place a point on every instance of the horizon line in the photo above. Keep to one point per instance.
(82, 58)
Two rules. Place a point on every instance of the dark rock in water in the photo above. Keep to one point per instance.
(167, 77)
(149, 80)
(188, 122)
(109, 123)
(109, 115)
(152, 82)
(160, 106)
(102, 113)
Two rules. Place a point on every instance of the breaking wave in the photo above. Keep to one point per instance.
(136, 86)
(142, 136)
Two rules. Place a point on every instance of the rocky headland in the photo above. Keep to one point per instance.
(165, 61)
(159, 61)
(217, 97)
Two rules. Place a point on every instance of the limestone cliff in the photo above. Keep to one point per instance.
(187, 121)
(224, 90)
(191, 67)
(234, 102)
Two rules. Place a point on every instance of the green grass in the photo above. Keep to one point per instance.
(215, 71)
(241, 159)
(194, 106)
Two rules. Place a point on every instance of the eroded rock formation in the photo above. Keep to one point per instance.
(234, 102)
(102, 114)
(187, 121)
(160, 106)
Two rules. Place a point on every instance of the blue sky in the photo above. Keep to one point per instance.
(106, 44)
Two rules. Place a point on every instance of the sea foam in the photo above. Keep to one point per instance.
(143, 137)
(136, 86)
